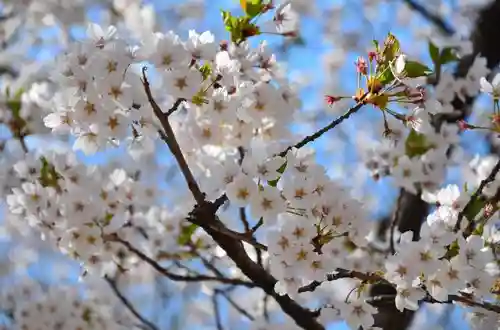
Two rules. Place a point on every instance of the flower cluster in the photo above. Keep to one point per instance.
(226, 114)
(230, 106)
(225, 89)
(75, 207)
(58, 307)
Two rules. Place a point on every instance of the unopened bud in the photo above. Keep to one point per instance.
(331, 99)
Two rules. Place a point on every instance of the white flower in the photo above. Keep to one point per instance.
(419, 120)
(407, 172)
(492, 88)
(437, 287)
(165, 51)
(201, 46)
(400, 65)
(267, 203)
(358, 313)
(242, 190)
(100, 37)
(182, 83)
(89, 142)
(408, 297)
(473, 252)
(286, 19)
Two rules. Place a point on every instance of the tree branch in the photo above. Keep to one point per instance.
(128, 304)
(204, 216)
(234, 304)
(176, 277)
(171, 141)
(434, 18)
(218, 321)
(342, 273)
(333, 124)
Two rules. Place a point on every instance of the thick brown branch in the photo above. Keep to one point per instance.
(205, 217)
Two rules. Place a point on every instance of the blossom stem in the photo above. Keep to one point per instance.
(171, 141)
(333, 124)
(128, 304)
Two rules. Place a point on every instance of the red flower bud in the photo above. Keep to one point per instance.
(372, 56)
(331, 99)
(463, 125)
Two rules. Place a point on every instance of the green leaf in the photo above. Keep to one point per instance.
(386, 77)
(474, 208)
(15, 104)
(240, 28)
(448, 54)
(274, 183)
(416, 144)
(107, 218)
(391, 48)
(434, 52)
(230, 22)
(252, 7)
(453, 250)
(415, 69)
(186, 234)
(478, 231)
(282, 168)
(206, 71)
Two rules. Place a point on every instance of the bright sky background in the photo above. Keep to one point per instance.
(307, 59)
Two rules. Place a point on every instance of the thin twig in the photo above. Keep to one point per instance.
(22, 141)
(204, 215)
(234, 304)
(266, 308)
(176, 277)
(466, 299)
(128, 304)
(238, 236)
(244, 220)
(342, 273)
(257, 225)
(171, 141)
(175, 106)
(333, 124)
(218, 320)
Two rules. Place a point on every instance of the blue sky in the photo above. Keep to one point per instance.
(307, 59)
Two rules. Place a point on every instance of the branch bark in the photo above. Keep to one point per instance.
(204, 215)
